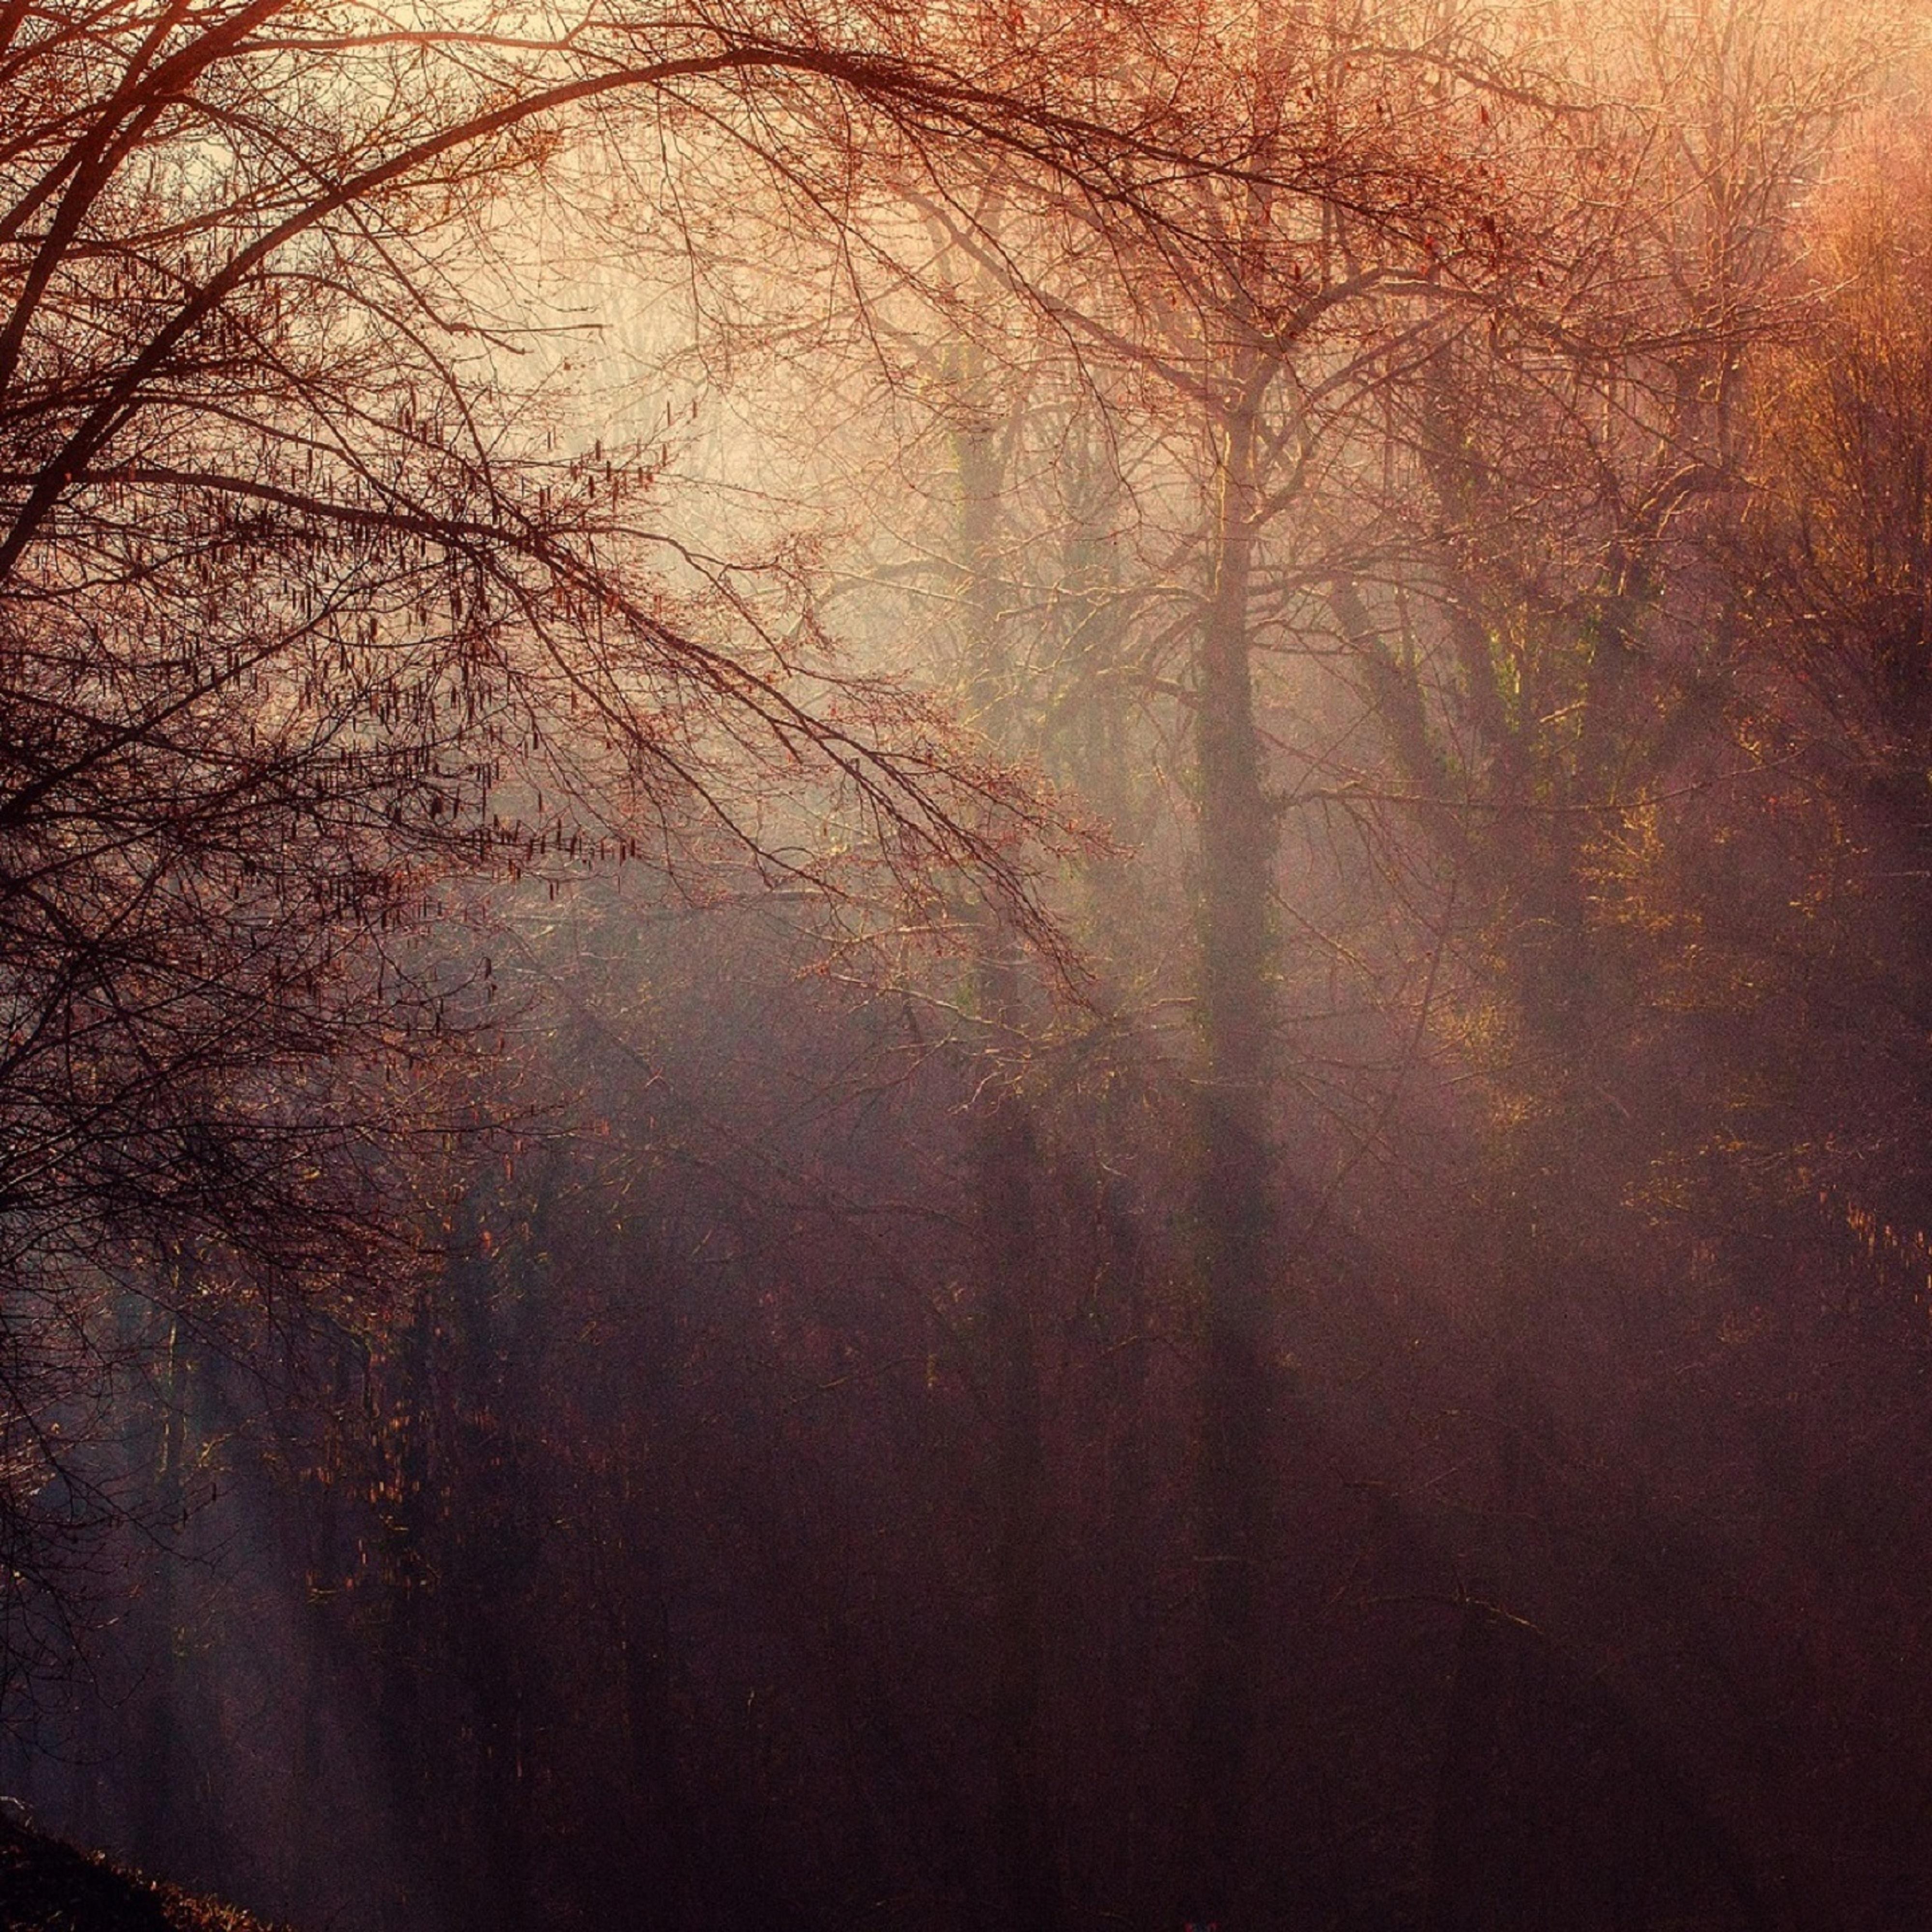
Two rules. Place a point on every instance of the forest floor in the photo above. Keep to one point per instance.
(45, 1886)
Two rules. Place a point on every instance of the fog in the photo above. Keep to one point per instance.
(1093, 1090)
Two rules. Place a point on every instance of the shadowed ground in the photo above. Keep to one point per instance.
(45, 1886)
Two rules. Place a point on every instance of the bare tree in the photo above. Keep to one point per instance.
(307, 607)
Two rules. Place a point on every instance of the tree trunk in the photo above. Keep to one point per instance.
(1005, 1160)
(1239, 1259)
(159, 1820)
(1007, 1156)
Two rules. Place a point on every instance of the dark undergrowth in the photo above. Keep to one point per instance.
(46, 1886)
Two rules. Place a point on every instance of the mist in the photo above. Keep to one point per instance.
(970, 968)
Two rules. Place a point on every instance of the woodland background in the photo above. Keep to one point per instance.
(970, 966)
